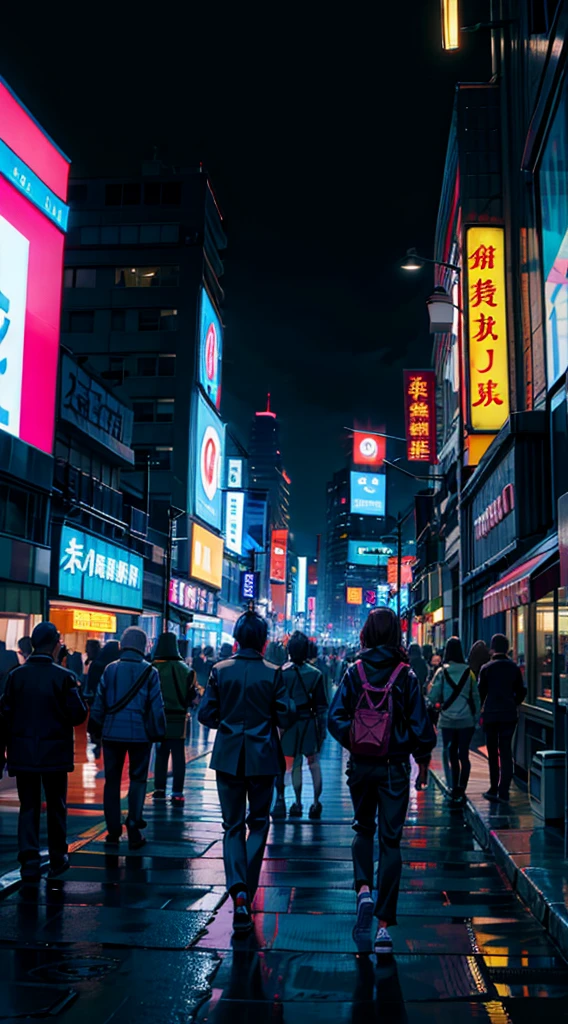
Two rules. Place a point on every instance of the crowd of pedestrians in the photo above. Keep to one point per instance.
(272, 707)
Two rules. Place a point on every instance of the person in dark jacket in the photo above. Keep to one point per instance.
(128, 713)
(177, 681)
(501, 690)
(8, 661)
(39, 709)
(246, 701)
(305, 686)
(418, 665)
(478, 656)
(381, 784)
(107, 654)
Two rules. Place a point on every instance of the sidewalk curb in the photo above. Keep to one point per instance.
(553, 916)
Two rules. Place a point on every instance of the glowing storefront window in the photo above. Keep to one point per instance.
(553, 183)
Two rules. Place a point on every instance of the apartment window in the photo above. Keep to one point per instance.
(146, 277)
(162, 193)
(156, 366)
(144, 411)
(164, 410)
(118, 319)
(79, 321)
(80, 277)
(157, 319)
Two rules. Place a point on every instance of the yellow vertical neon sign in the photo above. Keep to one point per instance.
(488, 399)
(450, 24)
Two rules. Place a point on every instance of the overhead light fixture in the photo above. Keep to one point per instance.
(450, 24)
(412, 261)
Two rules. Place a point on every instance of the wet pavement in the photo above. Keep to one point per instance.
(147, 936)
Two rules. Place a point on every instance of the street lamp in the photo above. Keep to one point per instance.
(441, 311)
(413, 261)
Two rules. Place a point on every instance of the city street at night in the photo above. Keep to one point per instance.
(147, 937)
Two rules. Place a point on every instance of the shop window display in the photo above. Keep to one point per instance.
(544, 647)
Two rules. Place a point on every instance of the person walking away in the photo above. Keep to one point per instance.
(418, 665)
(246, 701)
(8, 661)
(305, 686)
(378, 771)
(177, 682)
(501, 690)
(454, 692)
(478, 656)
(107, 654)
(24, 649)
(128, 713)
(39, 709)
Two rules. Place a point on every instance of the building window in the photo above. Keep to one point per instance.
(80, 277)
(144, 411)
(146, 277)
(118, 319)
(544, 641)
(148, 410)
(77, 193)
(156, 366)
(156, 457)
(165, 410)
(116, 368)
(127, 194)
(162, 193)
(129, 234)
(157, 319)
(79, 321)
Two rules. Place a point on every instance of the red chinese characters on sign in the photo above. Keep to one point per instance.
(487, 319)
(420, 415)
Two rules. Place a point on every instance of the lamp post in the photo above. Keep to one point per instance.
(173, 514)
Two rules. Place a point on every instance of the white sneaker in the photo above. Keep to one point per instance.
(383, 943)
(365, 907)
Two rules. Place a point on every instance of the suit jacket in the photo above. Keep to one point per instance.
(246, 701)
(501, 689)
(39, 707)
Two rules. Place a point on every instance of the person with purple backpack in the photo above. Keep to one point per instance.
(379, 715)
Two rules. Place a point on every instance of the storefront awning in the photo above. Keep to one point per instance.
(514, 588)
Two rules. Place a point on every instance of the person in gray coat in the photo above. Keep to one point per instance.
(246, 702)
(128, 713)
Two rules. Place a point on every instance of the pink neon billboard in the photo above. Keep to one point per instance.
(33, 217)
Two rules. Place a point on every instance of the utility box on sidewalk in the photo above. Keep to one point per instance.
(547, 784)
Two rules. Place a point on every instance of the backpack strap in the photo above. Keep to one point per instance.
(130, 695)
(456, 688)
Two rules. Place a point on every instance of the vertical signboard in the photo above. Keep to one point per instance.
(420, 415)
(210, 437)
(235, 509)
(278, 552)
(210, 350)
(302, 583)
(33, 217)
(488, 359)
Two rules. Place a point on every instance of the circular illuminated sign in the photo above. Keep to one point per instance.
(369, 448)
(210, 462)
(211, 349)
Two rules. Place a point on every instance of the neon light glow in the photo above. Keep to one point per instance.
(450, 24)
(487, 329)
(302, 582)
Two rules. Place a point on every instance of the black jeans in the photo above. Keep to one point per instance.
(163, 750)
(243, 857)
(382, 788)
(29, 793)
(499, 739)
(114, 754)
(456, 742)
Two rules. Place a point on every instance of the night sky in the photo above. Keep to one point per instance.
(325, 140)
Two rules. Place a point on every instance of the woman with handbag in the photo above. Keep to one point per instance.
(306, 687)
(177, 682)
(454, 693)
(379, 715)
(128, 713)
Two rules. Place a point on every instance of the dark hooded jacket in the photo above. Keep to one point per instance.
(412, 731)
(177, 682)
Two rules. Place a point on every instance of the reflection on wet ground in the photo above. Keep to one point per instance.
(147, 936)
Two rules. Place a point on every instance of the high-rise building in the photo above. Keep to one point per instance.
(267, 472)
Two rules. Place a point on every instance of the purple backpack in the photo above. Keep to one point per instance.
(372, 721)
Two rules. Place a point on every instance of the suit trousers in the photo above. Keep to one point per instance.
(114, 755)
(243, 857)
(499, 737)
(29, 792)
(163, 750)
(381, 790)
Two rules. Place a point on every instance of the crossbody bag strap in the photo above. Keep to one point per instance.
(455, 687)
(128, 697)
(303, 685)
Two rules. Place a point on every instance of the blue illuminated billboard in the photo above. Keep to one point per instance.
(93, 570)
(368, 494)
(210, 350)
(368, 552)
(209, 445)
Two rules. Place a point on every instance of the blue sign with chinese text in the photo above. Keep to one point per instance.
(92, 569)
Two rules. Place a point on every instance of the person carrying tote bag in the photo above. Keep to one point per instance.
(454, 691)
(128, 714)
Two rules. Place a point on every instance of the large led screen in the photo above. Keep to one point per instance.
(367, 552)
(210, 440)
(368, 493)
(32, 221)
(210, 350)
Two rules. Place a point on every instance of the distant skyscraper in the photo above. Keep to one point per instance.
(266, 470)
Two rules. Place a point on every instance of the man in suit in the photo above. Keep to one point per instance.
(38, 711)
(246, 702)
